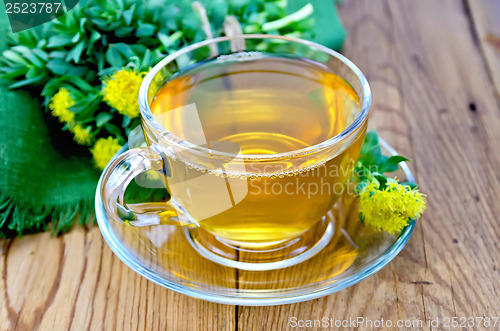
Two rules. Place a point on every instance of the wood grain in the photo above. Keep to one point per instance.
(435, 76)
(485, 15)
(76, 283)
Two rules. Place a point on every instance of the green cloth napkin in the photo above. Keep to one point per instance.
(37, 183)
(40, 187)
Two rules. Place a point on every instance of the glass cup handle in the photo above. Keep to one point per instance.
(120, 173)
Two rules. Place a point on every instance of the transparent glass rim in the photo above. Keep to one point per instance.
(172, 139)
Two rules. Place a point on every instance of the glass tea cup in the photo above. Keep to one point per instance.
(255, 138)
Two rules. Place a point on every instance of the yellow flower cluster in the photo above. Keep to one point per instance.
(82, 135)
(392, 208)
(60, 104)
(103, 150)
(121, 91)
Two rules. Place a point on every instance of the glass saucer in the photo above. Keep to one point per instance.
(165, 255)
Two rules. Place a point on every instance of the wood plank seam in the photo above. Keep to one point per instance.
(481, 47)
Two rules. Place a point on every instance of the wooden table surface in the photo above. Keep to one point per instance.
(434, 67)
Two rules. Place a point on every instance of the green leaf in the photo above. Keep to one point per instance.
(86, 105)
(80, 105)
(272, 10)
(113, 57)
(146, 61)
(76, 52)
(82, 85)
(103, 118)
(34, 72)
(59, 40)
(102, 23)
(75, 38)
(382, 180)
(113, 129)
(24, 82)
(372, 156)
(41, 54)
(125, 50)
(29, 55)
(168, 41)
(145, 30)
(124, 31)
(58, 67)
(41, 43)
(14, 57)
(28, 38)
(107, 72)
(95, 36)
(58, 54)
(100, 61)
(128, 14)
(83, 20)
(79, 71)
(70, 19)
(371, 140)
(126, 121)
(391, 164)
(12, 73)
(51, 87)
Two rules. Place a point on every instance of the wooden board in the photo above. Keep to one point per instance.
(75, 282)
(434, 75)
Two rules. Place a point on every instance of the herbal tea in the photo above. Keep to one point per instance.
(259, 106)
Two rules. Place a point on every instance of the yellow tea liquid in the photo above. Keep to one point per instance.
(273, 104)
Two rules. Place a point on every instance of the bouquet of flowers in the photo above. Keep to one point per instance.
(89, 63)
